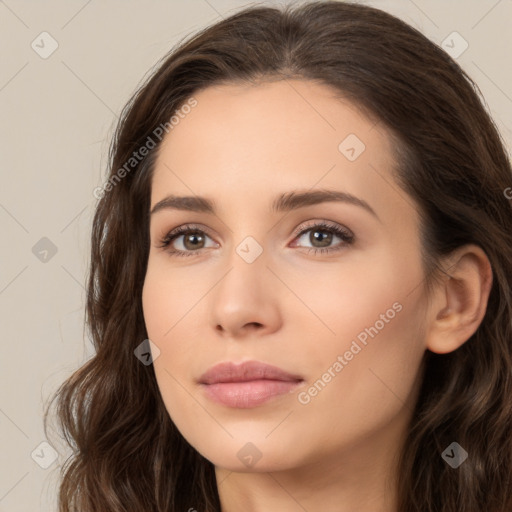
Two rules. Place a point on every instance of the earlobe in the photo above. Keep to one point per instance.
(460, 301)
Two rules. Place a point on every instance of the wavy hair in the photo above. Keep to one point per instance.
(127, 454)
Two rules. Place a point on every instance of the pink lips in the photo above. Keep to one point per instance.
(248, 384)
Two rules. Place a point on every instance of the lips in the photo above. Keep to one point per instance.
(244, 372)
(247, 385)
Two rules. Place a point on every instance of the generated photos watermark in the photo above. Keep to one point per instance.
(305, 397)
(137, 156)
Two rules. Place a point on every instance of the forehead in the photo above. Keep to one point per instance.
(276, 115)
(256, 140)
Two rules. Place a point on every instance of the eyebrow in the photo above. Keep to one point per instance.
(283, 203)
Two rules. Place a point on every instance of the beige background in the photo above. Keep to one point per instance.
(57, 118)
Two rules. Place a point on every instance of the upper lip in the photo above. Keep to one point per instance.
(246, 371)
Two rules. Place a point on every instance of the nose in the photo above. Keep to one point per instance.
(246, 300)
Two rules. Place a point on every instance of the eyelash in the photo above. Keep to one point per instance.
(346, 236)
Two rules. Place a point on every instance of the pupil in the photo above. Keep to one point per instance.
(325, 239)
(193, 244)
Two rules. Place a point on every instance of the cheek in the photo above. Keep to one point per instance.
(157, 305)
(376, 347)
(166, 300)
(375, 299)
(173, 302)
(169, 299)
(372, 345)
(374, 382)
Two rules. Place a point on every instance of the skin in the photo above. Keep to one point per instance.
(241, 146)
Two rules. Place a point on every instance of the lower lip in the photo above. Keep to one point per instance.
(244, 395)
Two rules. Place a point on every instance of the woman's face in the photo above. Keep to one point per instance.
(341, 307)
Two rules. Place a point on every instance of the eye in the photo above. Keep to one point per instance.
(193, 240)
(321, 236)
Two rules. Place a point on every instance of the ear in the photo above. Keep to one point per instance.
(460, 299)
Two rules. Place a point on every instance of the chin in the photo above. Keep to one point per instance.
(249, 457)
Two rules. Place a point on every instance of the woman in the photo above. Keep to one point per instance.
(338, 335)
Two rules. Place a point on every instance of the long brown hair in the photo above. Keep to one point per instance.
(450, 159)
